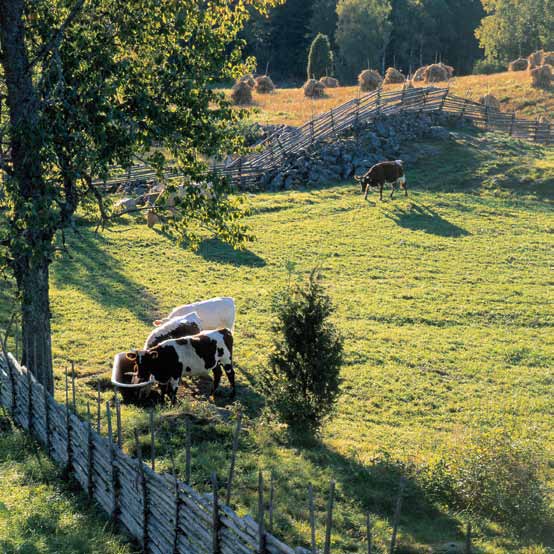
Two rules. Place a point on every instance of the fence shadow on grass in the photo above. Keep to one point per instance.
(97, 274)
(418, 217)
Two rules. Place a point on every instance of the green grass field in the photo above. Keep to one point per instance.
(445, 301)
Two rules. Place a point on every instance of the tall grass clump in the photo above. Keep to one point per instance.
(301, 385)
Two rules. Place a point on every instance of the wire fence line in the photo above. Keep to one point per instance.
(166, 515)
(246, 172)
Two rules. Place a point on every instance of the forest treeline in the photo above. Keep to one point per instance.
(471, 35)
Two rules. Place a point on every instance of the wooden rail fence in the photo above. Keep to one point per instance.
(166, 515)
(246, 171)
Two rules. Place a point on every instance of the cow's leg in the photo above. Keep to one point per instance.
(230, 372)
(217, 378)
(381, 191)
(392, 189)
(404, 185)
(366, 192)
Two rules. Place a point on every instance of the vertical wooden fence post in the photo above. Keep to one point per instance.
(152, 441)
(312, 518)
(142, 477)
(98, 407)
(261, 515)
(271, 499)
(67, 422)
(118, 419)
(396, 518)
(187, 450)
(329, 522)
(233, 458)
(512, 123)
(177, 504)
(29, 402)
(46, 400)
(113, 466)
(90, 490)
(215, 515)
(73, 388)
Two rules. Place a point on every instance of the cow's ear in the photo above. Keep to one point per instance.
(154, 354)
(131, 356)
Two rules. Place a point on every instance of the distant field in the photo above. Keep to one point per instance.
(444, 298)
(513, 89)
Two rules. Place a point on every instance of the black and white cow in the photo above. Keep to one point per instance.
(381, 174)
(174, 328)
(196, 355)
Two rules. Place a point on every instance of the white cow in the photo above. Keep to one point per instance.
(215, 313)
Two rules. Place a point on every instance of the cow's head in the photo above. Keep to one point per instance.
(146, 364)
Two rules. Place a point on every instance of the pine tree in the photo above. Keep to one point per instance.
(320, 57)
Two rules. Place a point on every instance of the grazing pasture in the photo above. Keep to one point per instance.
(445, 299)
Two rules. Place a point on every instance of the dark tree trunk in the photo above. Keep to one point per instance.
(31, 239)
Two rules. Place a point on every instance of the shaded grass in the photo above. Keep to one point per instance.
(445, 301)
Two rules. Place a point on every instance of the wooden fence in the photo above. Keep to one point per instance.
(246, 171)
(165, 515)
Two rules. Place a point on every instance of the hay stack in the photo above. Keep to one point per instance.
(419, 75)
(264, 84)
(435, 73)
(490, 101)
(535, 59)
(313, 89)
(449, 69)
(548, 58)
(329, 82)
(541, 77)
(248, 79)
(393, 77)
(408, 85)
(241, 93)
(521, 64)
(369, 80)
(152, 218)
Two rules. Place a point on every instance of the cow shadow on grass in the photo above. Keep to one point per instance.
(216, 251)
(93, 271)
(418, 217)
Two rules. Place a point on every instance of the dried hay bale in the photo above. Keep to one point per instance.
(548, 58)
(329, 82)
(521, 64)
(419, 75)
(264, 84)
(152, 218)
(436, 73)
(369, 80)
(241, 93)
(490, 101)
(534, 59)
(313, 89)
(248, 79)
(449, 69)
(393, 77)
(541, 77)
(408, 85)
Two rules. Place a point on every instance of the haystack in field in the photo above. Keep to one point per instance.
(490, 101)
(241, 93)
(436, 73)
(548, 58)
(248, 79)
(542, 77)
(419, 75)
(534, 59)
(449, 69)
(313, 89)
(393, 77)
(369, 80)
(521, 64)
(152, 218)
(329, 82)
(408, 85)
(264, 84)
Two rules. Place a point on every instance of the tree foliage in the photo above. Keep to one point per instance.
(86, 85)
(320, 57)
(301, 385)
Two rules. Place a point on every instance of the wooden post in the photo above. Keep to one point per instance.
(142, 477)
(333, 128)
(312, 517)
(468, 539)
(512, 123)
(329, 522)
(271, 498)
(67, 421)
(535, 131)
(233, 458)
(29, 401)
(98, 409)
(177, 504)
(187, 450)
(115, 470)
(368, 532)
(215, 515)
(152, 441)
(46, 418)
(261, 515)
(118, 420)
(73, 388)
(90, 491)
(396, 518)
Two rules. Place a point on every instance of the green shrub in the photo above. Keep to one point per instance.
(320, 57)
(487, 67)
(301, 384)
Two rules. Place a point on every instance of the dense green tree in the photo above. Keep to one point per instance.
(320, 57)
(324, 19)
(89, 84)
(362, 36)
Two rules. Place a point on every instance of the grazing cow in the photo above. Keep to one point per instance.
(216, 313)
(173, 329)
(195, 355)
(383, 173)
